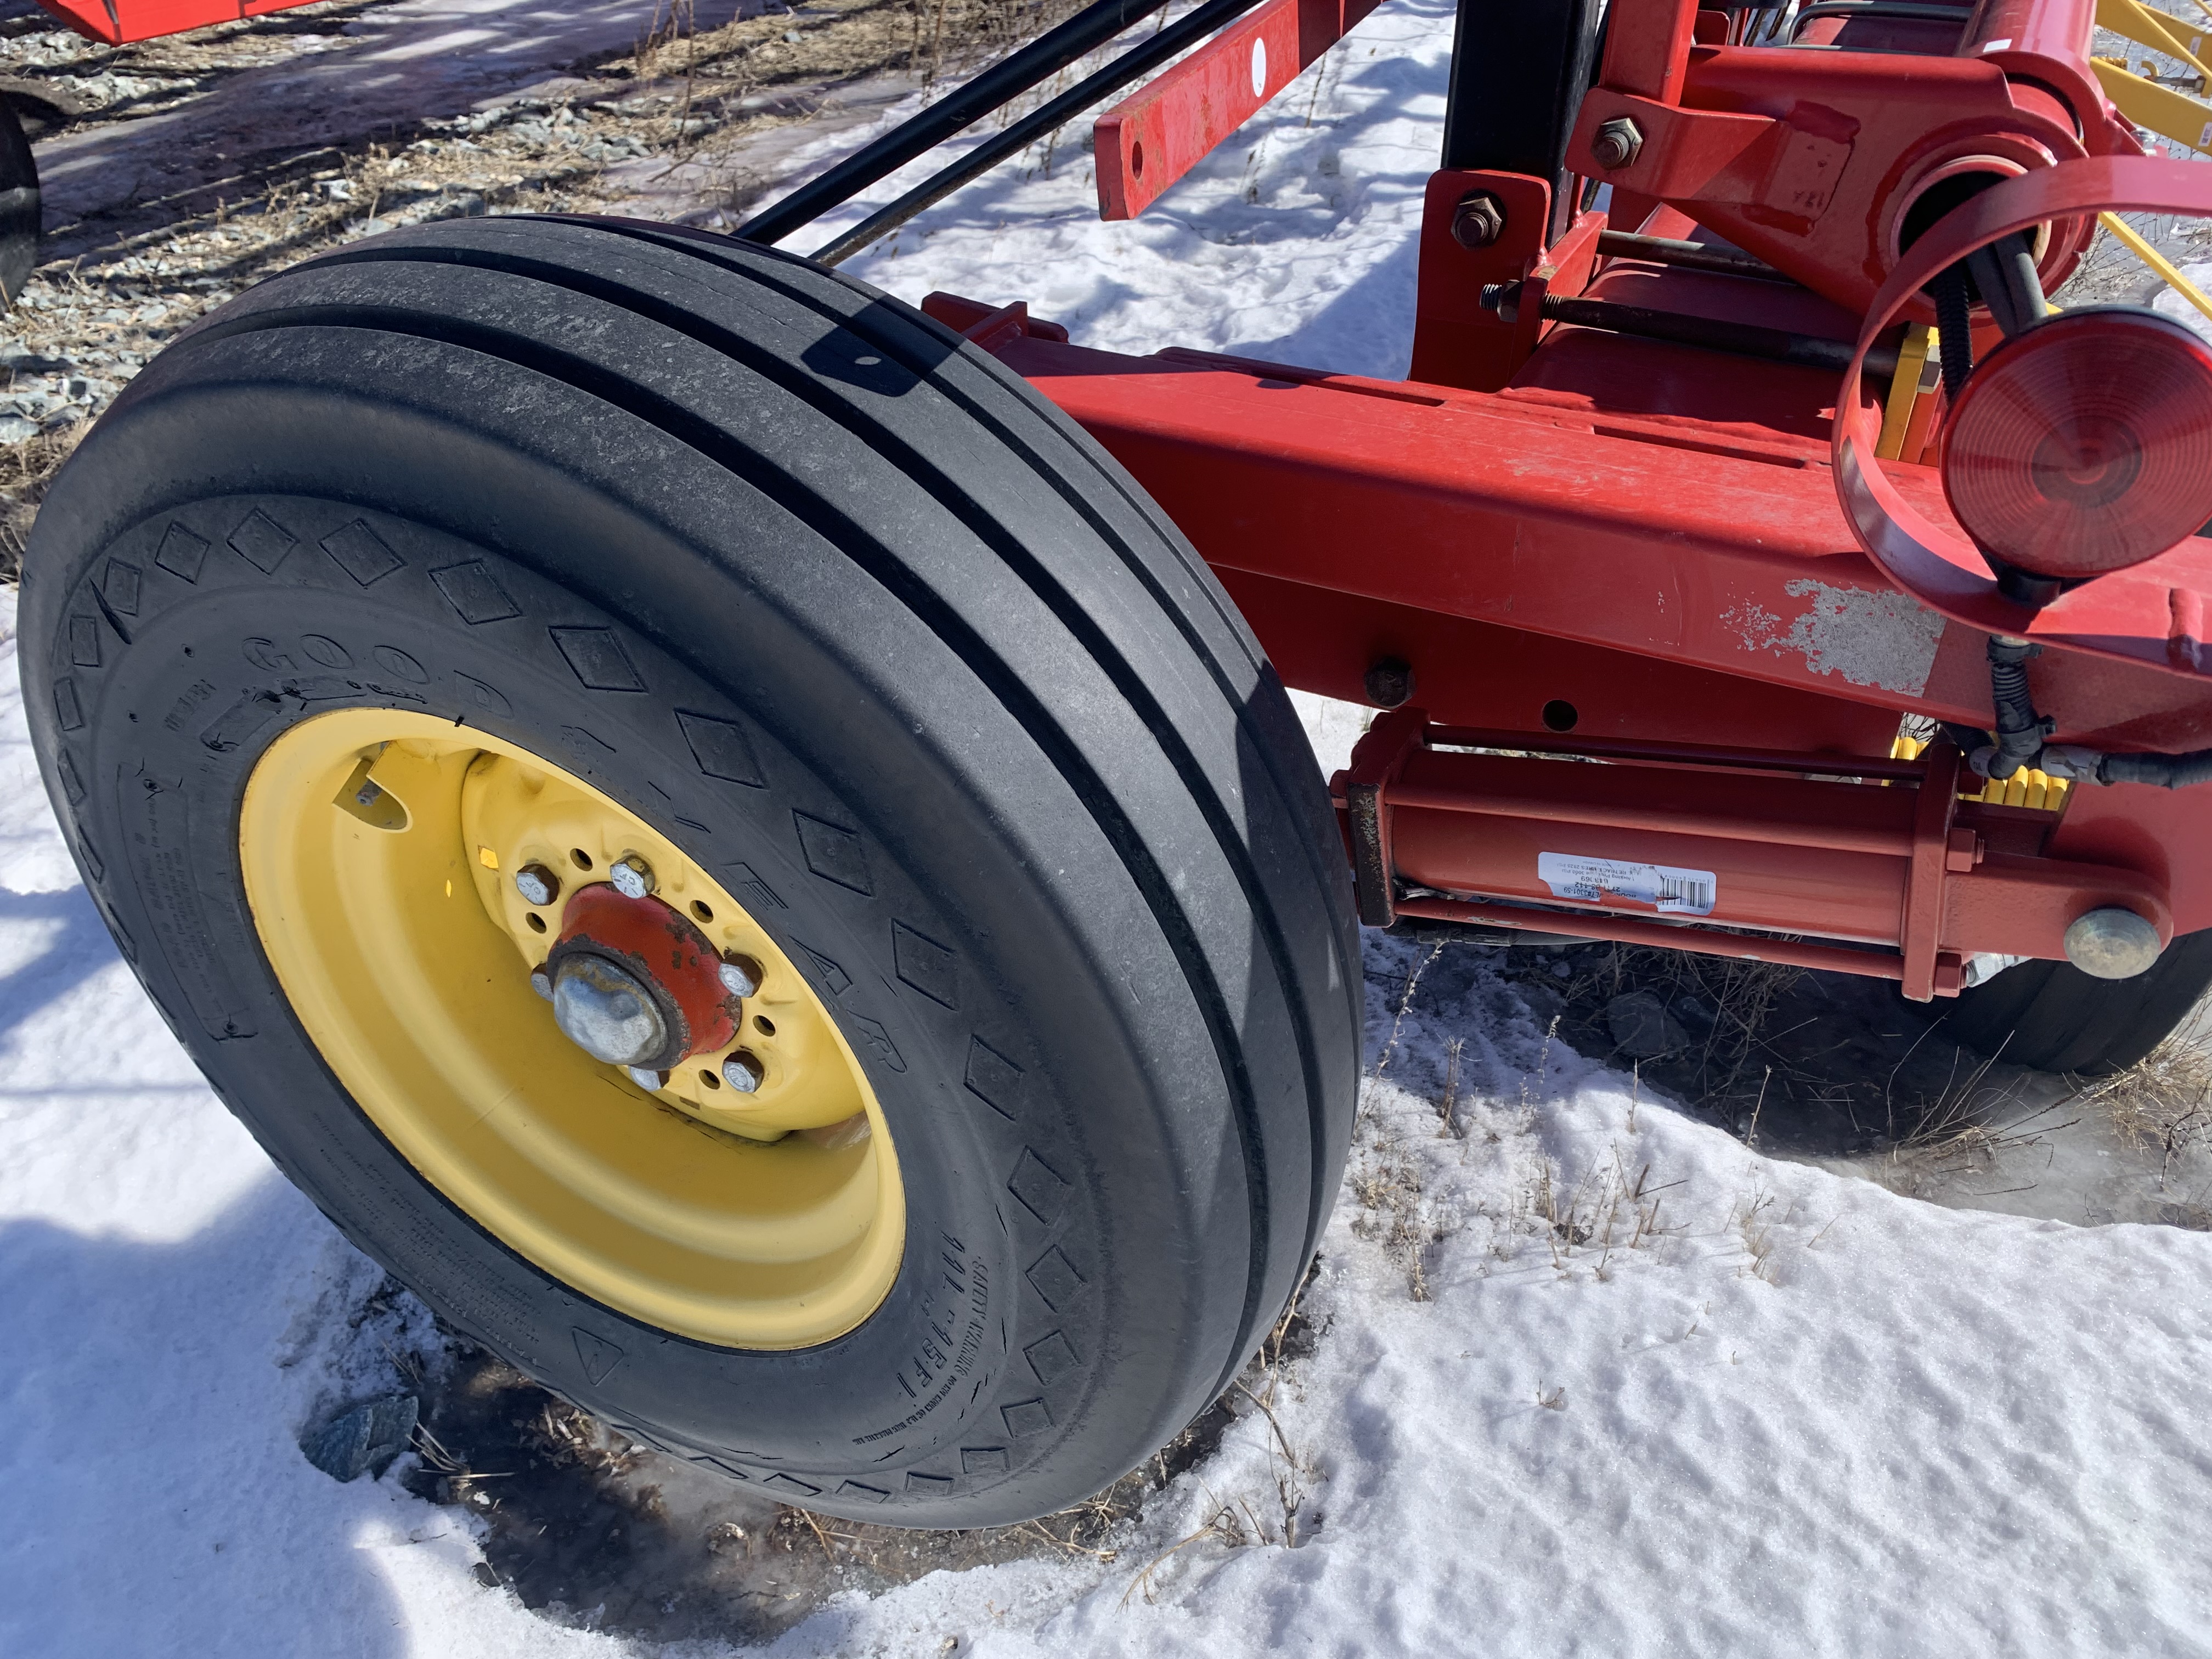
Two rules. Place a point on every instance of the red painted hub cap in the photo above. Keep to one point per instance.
(636, 984)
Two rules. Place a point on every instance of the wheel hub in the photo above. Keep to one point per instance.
(633, 983)
(607, 1013)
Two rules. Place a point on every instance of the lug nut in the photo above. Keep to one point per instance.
(741, 976)
(1615, 143)
(1478, 221)
(648, 1080)
(632, 876)
(542, 982)
(743, 1072)
(537, 884)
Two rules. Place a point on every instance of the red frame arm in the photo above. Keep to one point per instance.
(1149, 140)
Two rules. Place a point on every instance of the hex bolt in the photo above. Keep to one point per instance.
(632, 876)
(645, 1078)
(743, 1072)
(1390, 682)
(537, 884)
(1478, 219)
(741, 976)
(542, 982)
(1616, 142)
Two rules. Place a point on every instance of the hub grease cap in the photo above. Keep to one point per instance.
(606, 1013)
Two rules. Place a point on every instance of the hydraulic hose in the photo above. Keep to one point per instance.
(2021, 731)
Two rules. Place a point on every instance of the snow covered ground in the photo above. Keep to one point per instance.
(1591, 1377)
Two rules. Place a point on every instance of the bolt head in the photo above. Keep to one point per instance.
(606, 1013)
(1616, 142)
(632, 876)
(740, 976)
(645, 1078)
(1390, 682)
(537, 884)
(1478, 219)
(2112, 943)
(542, 982)
(743, 1072)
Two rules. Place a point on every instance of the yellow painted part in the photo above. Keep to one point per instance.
(2157, 261)
(1905, 387)
(405, 952)
(2039, 790)
(2146, 26)
(2174, 114)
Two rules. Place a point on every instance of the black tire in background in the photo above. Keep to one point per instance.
(2054, 1017)
(20, 211)
(1074, 890)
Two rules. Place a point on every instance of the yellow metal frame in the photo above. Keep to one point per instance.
(377, 848)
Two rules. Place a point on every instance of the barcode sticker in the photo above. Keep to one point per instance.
(1595, 881)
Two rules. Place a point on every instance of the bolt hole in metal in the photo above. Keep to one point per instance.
(763, 1025)
(765, 1213)
(1560, 715)
(701, 912)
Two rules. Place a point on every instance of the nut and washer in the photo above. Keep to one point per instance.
(1478, 219)
(743, 1072)
(741, 976)
(652, 1082)
(632, 876)
(1616, 142)
(537, 884)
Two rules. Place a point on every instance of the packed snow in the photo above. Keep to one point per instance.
(1589, 1375)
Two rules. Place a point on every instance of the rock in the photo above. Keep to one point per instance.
(17, 429)
(1641, 1026)
(363, 1437)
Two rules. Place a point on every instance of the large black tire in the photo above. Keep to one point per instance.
(1120, 1076)
(2053, 1016)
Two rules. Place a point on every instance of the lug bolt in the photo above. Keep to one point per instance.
(1615, 143)
(1478, 221)
(743, 1072)
(537, 884)
(741, 976)
(632, 876)
(644, 1078)
(542, 982)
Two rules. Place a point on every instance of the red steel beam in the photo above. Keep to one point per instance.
(1167, 127)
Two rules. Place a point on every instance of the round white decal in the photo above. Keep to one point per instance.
(1259, 69)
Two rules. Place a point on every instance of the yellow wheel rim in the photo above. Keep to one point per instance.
(379, 849)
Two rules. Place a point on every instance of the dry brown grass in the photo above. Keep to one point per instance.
(1740, 994)
(2163, 1102)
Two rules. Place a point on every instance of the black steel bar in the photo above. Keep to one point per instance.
(1000, 84)
(1519, 70)
(1918, 11)
(1132, 65)
(1776, 344)
(1690, 256)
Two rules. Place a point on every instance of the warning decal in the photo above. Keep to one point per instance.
(1667, 889)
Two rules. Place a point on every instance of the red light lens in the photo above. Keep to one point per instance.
(2084, 444)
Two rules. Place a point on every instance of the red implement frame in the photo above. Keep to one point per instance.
(1591, 546)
